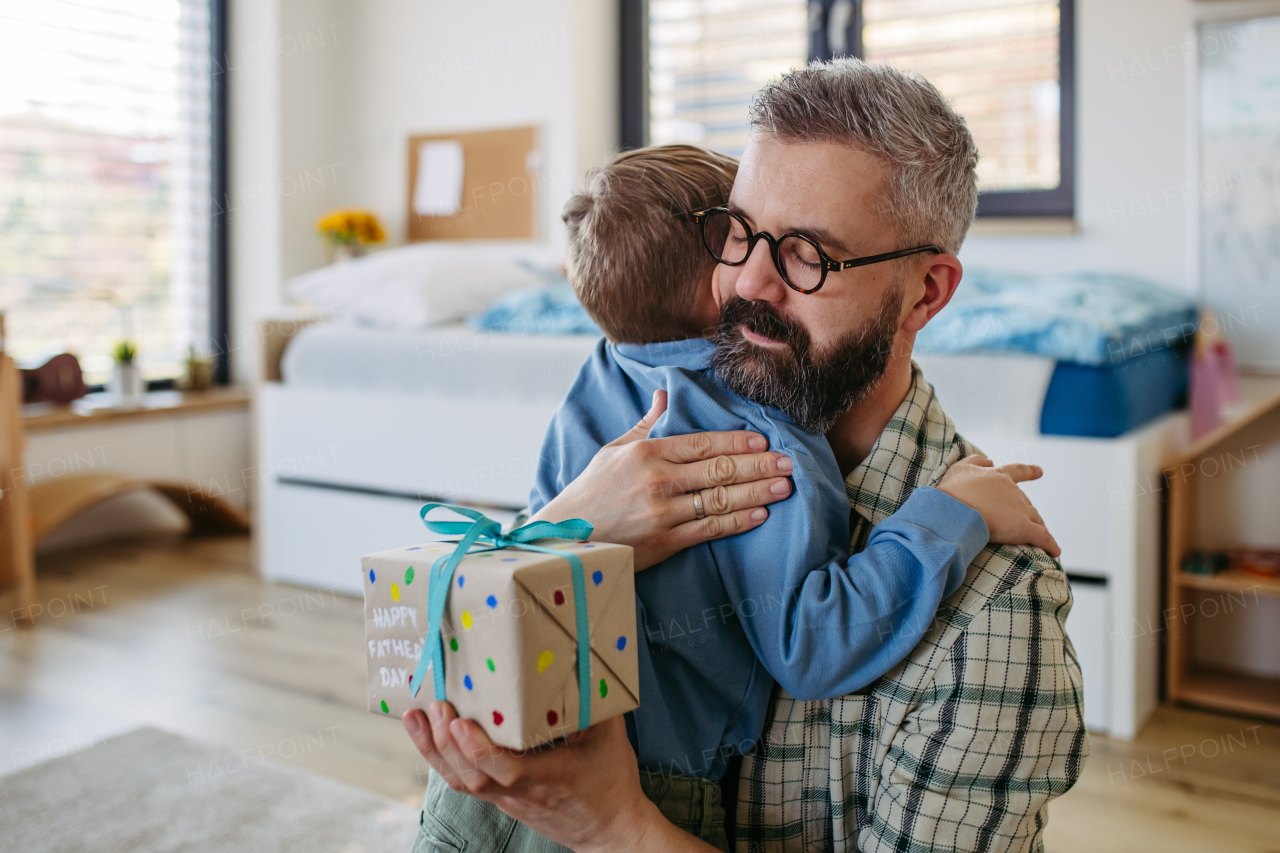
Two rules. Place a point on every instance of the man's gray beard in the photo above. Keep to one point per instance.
(812, 389)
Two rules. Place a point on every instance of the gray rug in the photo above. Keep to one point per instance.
(152, 791)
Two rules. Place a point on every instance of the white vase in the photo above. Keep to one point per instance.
(126, 383)
(337, 253)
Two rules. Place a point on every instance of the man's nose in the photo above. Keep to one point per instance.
(758, 279)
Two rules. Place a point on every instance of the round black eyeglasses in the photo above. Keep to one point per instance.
(800, 261)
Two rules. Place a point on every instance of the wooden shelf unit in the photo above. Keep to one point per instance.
(1188, 681)
(1236, 692)
(98, 408)
(1231, 581)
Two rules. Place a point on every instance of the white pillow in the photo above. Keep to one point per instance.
(424, 284)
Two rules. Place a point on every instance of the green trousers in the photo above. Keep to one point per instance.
(452, 821)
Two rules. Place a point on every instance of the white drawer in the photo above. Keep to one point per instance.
(464, 450)
(317, 535)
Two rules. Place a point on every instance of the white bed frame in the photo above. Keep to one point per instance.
(343, 473)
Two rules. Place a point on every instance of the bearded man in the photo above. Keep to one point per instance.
(963, 744)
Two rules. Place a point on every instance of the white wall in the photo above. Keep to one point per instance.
(253, 200)
(398, 67)
(1131, 141)
(325, 94)
(1135, 146)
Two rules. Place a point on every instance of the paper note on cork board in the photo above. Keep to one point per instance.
(499, 186)
(509, 637)
(438, 188)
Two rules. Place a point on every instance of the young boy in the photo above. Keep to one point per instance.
(722, 621)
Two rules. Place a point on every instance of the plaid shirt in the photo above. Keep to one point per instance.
(962, 745)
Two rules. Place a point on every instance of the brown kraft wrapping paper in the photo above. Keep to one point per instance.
(509, 636)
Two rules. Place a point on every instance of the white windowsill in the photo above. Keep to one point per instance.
(1023, 226)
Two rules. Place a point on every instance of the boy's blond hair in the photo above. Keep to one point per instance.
(635, 255)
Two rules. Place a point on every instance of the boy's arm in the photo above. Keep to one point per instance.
(592, 412)
(547, 480)
(824, 623)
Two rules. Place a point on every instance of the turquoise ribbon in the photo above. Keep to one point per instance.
(484, 531)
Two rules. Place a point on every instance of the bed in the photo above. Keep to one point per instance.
(358, 426)
(364, 426)
(1082, 354)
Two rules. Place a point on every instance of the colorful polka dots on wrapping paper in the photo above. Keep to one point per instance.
(546, 659)
(482, 676)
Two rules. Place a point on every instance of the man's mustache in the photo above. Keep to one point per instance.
(764, 321)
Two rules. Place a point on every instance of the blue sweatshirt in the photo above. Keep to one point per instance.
(721, 621)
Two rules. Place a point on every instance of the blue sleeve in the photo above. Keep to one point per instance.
(822, 622)
(601, 405)
(547, 480)
(844, 624)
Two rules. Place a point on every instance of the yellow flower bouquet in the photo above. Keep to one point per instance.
(347, 232)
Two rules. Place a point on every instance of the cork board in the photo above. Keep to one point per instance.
(499, 187)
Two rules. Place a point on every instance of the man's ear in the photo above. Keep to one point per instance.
(940, 279)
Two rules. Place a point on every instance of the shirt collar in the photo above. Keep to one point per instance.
(912, 451)
(691, 354)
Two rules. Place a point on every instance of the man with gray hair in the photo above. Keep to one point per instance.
(861, 182)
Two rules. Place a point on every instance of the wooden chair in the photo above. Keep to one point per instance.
(17, 564)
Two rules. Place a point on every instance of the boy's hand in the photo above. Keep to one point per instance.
(994, 494)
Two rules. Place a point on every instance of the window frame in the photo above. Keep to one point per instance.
(219, 281)
(1057, 202)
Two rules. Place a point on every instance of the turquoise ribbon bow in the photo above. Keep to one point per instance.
(483, 530)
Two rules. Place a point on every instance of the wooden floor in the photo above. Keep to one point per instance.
(181, 635)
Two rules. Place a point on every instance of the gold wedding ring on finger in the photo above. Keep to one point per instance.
(698, 509)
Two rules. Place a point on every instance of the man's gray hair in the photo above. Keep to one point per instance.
(898, 118)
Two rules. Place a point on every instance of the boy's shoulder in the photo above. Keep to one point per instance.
(696, 399)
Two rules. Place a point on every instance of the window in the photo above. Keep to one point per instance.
(706, 60)
(690, 67)
(107, 132)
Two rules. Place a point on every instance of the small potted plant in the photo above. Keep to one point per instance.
(346, 233)
(126, 379)
(199, 374)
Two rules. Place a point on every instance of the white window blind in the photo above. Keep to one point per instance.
(105, 179)
(708, 57)
(997, 61)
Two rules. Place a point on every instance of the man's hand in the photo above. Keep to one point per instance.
(994, 494)
(638, 491)
(583, 793)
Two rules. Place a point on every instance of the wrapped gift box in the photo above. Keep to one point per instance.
(509, 636)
